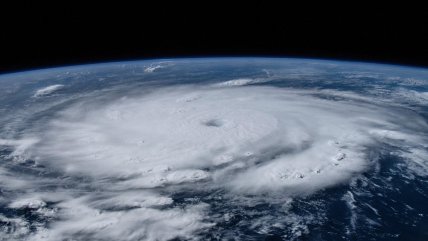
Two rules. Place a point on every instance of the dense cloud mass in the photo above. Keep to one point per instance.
(123, 162)
(245, 139)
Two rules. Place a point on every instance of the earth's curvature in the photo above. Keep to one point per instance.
(215, 149)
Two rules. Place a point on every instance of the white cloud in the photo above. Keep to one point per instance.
(79, 219)
(155, 66)
(48, 90)
(19, 147)
(152, 68)
(237, 82)
(16, 228)
(28, 203)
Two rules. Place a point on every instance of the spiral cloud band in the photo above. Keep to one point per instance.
(127, 158)
(245, 139)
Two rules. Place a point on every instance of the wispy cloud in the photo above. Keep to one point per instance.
(48, 90)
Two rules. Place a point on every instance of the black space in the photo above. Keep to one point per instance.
(34, 36)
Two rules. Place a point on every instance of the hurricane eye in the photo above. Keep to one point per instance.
(213, 123)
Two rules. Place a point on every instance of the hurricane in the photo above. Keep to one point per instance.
(213, 149)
